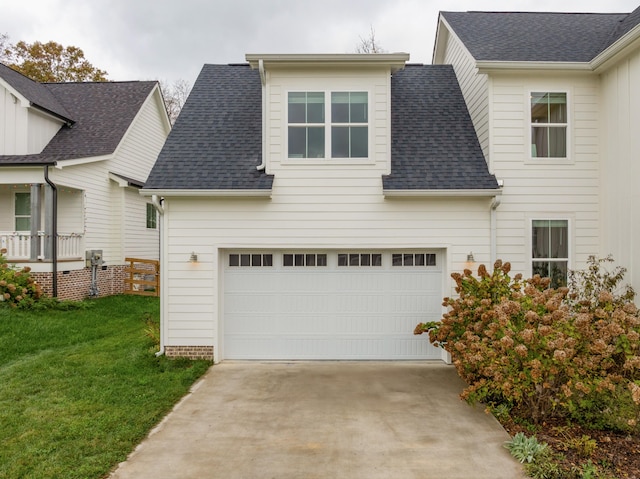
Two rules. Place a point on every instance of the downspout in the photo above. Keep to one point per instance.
(263, 80)
(157, 203)
(495, 202)
(54, 232)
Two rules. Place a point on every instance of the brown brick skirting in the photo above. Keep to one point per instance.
(191, 352)
(74, 285)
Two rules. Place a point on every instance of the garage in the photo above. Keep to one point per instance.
(314, 305)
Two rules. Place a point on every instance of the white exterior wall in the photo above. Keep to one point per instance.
(41, 129)
(475, 89)
(23, 130)
(139, 241)
(13, 124)
(330, 211)
(377, 83)
(620, 167)
(545, 188)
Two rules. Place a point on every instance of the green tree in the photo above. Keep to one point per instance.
(50, 62)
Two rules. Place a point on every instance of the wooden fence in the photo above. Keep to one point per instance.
(144, 277)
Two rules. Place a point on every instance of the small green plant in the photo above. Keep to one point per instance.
(546, 466)
(525, 449)
(152, 330)
(584, 446)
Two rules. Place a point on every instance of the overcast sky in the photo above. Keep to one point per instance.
(172, 39)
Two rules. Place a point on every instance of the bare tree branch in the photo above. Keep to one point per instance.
(369, 44)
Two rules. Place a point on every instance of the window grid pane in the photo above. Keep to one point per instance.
(548, 125)
(550, 250)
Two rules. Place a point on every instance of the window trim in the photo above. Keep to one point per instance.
(568, 125)
(328, 124)
(154, 222)
(16, 216)
(570, 239)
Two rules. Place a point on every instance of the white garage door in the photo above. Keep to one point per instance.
(330, 305)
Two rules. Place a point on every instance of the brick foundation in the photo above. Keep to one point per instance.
(191, 352)
(74, 285)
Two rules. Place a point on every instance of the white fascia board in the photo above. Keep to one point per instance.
(207, 193)
(395, 61)
(443, 31)
(82, 161)
(443, 193)
(625, 44)
(487, 66)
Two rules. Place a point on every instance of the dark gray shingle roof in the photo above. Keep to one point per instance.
(433, 143)
(37, 93)
(216, 143)
(102, 111)
(532, 36)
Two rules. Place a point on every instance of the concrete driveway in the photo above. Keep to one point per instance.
(325, 420)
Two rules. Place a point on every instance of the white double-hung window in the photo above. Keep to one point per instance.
(344, 114)
(22, 212)
(550, 250)
(548, 125)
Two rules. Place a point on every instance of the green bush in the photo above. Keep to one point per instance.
(16, 285)
(544, 352)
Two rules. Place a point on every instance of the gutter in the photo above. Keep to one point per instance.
(442, 193)
(54, 232)
(157, 203)
(263, 80)
(493, 240)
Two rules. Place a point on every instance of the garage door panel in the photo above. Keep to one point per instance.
(329, 312)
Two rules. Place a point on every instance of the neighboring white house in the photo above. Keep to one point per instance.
(314, 207)
(555, 100)
(89, 148)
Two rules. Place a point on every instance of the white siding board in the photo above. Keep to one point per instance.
(620, 169)
(474, 88)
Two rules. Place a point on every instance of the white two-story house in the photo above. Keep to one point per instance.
(555, 101)
(314, 206)
(73, 158)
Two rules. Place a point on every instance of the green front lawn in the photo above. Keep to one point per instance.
(79, 389)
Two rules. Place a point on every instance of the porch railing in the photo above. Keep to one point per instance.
(18, 245)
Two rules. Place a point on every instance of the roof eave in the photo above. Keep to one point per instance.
(489, 66)
(237, 193)
(468, 193)
(616, 50)
(395, 61)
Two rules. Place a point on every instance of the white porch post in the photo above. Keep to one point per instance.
(35, 221)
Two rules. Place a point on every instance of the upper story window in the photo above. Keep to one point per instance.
(309, 117)
(548, 125)
(550, 250)
(22, 211)
(306, 124)
(349, 125)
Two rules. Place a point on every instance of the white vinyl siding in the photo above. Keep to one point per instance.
(545, 187)
(23, 130)
(340, 210)
(377, 84)
(474, 86)
(620, 168)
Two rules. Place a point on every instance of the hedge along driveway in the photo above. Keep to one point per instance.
(79, 389)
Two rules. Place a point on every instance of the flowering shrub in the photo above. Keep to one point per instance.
(545, 352)
(17, 287)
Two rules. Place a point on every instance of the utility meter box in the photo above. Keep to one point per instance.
(94, 258)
